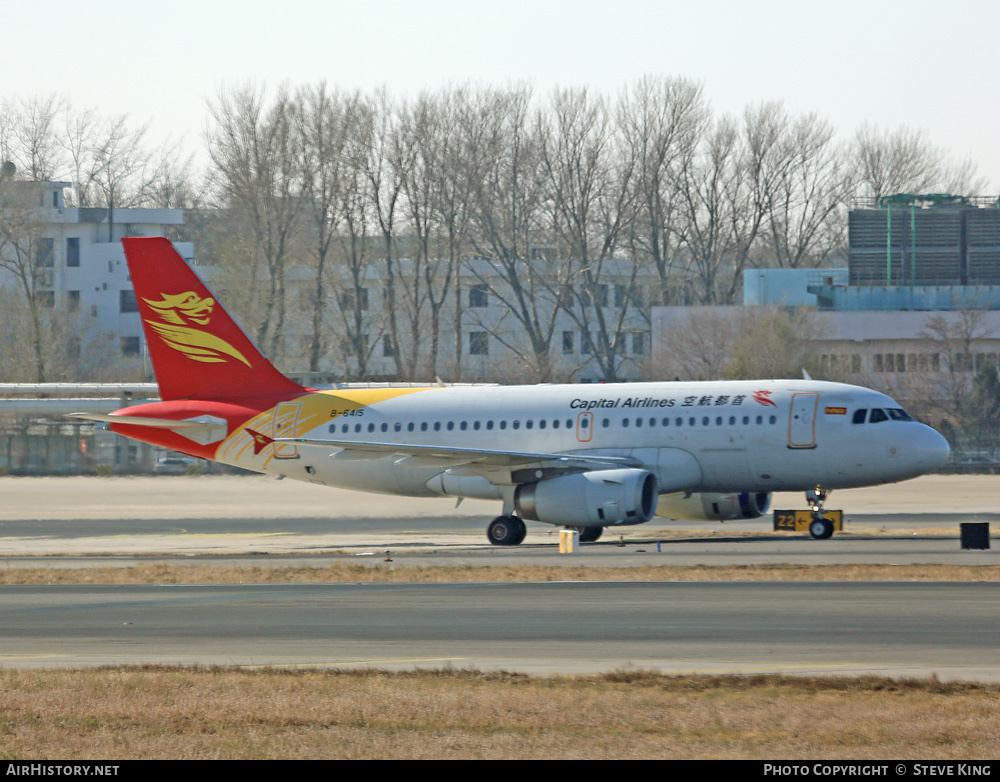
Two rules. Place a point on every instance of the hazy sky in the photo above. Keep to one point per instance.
(922, 63)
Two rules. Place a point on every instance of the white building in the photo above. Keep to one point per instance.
(477, 322)
(80, 263)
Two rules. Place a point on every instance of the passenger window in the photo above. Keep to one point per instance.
(606, 423)
(718, 420)
(732, 420)
(625, 422)
(666, 422)
(638, 422)
(760, 420)
(475, 425)
(529, 424)
(503, 424)
(704, 420)
(344, 429)
(691, 421)
(409, 427)
(773, 419)
(437, 426)
(585, 422)
(516, 424)
(451, 425)
(357, 428)
(489, 426)
(541, 424)
(423, 426)
(555, 424)
(385, 427)
(463, 426)
(679, 421)
(652, 422)
(878, 416)
(746, 420)
(859, 415)
(371, 427)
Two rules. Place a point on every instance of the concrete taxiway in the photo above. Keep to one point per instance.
(897, 629)
(917, 521)
(950, 630)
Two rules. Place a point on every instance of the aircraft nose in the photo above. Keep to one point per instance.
(932, 448)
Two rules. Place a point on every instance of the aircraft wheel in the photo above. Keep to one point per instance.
(590, 534)
(821, 529)
(506, 531)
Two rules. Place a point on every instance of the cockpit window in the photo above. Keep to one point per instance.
(898, 414)
(878, 415)
(859, 415)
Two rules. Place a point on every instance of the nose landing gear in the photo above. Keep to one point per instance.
(819, 528)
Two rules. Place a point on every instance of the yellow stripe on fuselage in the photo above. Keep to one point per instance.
(316, 409)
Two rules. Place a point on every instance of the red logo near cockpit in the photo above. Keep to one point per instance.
(763, 398)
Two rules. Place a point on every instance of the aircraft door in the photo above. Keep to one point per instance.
(585, 427)
(802, 420)
(283, 424)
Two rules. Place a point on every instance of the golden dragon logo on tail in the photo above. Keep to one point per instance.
(176, 311)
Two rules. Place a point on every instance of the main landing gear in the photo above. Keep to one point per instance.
(819, 528)
(510, 531)
(506, 531)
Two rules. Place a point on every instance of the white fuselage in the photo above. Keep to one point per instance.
(723, 436)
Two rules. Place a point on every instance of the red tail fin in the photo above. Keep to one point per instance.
(197, 350)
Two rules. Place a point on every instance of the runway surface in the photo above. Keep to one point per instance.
(895, 629)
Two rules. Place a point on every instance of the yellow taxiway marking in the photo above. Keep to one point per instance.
(741, 667)
(166, 535)
(359, 662)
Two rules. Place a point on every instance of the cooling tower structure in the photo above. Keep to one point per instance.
(934, 239)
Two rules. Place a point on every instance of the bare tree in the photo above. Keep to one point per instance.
(662, 120)
(29, 258)
(506, 216)
(706, 178)
(905, 161)
(425, 122)
(894, 162)
(323, 121)
(387, 153)
(461, 164)
(805, 216)
(29, 135)
(697, 344)
(256, 166)
(953, 335)
(592, 201)
(771, 343)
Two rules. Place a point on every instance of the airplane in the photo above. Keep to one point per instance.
(583, 456)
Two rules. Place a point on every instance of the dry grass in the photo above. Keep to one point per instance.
(382, 572)
(156, 712)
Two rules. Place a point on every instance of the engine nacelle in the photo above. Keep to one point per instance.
(590, 499)
(713, 506)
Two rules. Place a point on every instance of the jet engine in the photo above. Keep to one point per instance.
(590, 499)
(713, 506)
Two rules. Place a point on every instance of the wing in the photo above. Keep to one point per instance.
(447, 456)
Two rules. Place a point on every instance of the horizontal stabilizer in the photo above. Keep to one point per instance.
(204, 429)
